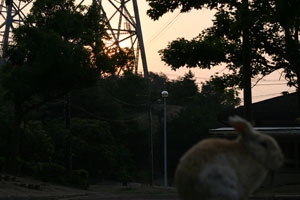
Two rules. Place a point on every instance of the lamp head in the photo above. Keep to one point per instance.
(164, 94)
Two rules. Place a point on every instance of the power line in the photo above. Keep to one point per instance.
(160, 33)
(126, 103)
(273, 80)
(270, 84)
(264, 95)
(271, 94)
(103, 118)
(197, 77)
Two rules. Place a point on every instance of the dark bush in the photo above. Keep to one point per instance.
(80, 178)
(29, 168)
(2, 163)
(52, 172)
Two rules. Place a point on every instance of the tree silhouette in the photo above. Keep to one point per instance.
(47, 60)
(253, 38)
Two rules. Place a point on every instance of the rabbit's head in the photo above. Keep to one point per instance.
(263, 147)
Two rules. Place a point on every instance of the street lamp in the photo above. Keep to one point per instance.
(164, 95)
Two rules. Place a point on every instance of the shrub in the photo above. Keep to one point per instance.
(52, 172)
(2, 163)
(29, 168)
(80, 178)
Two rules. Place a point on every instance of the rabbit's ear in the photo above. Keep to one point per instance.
(243, 127)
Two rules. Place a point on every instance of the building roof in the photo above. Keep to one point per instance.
(274, 131)
(281, 111)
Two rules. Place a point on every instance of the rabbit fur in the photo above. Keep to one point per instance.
(220, 169)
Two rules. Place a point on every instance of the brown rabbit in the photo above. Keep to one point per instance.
(220, 169)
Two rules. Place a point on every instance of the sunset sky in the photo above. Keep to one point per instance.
(157, 34)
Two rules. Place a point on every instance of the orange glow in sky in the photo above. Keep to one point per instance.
(157, 34)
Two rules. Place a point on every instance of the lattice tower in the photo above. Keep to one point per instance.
(121, 16)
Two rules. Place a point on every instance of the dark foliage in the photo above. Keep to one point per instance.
(109, 131)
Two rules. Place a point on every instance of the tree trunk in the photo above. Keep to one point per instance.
(292, 49)
(298, 94)
(69, 159)
(297, 70)
(12, 162)
(246, 59)
(297, 65)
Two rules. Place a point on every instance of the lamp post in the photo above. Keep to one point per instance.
(164, 95)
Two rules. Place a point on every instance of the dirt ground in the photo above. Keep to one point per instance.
(16, 188)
